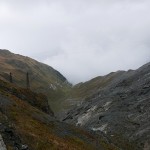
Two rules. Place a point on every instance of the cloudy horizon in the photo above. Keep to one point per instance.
(82, 39)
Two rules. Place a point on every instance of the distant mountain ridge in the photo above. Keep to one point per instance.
(16, 61)
(42, 78)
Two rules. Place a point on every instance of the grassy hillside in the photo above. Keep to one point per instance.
(43, 78)
(26, 124)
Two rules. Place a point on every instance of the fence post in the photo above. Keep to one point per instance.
(10, 78)
(27, 81)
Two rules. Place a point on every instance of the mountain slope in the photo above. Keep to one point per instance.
(121, 109)
(83, 91)
(27, 123)
(42, 78)
(114, 107)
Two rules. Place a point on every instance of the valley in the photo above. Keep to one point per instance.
(110, 112)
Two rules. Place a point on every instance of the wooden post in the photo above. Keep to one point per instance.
(10, 78)
(27, 80)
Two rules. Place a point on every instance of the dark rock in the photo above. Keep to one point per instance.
(123, 108)
(10, 136)
(100, 117)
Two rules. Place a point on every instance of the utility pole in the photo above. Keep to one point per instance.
(27, 80)
(10, 78)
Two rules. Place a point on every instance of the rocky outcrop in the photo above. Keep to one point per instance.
(10, 138)
(120, 109)
(2, 144)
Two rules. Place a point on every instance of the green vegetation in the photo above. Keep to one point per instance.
(37, 129)
(43, 78)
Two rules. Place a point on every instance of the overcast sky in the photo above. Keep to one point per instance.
(80, 38)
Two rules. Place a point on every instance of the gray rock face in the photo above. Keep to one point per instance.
(2, 144)
(122, 108)
(9, 137)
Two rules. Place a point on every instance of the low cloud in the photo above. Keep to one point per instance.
(82, 39)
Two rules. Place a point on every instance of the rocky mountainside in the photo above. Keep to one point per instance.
(81, 91)
(42, 78)
(27, 123)
(108, 112)
(118, 105)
